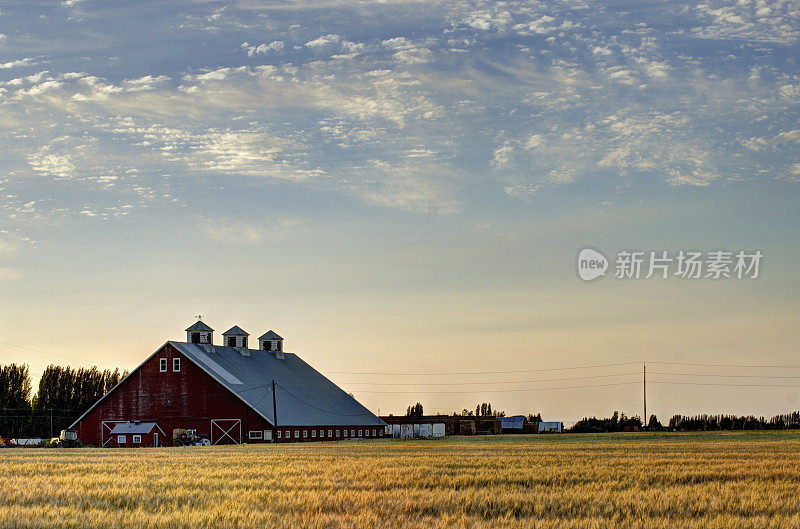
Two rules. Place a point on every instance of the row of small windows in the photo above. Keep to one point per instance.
(163, 363)
(122, 439)
(331, 433)
(258, 434)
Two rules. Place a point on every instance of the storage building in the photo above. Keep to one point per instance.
(228, 394)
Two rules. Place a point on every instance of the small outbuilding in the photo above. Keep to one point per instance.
(137, 434)
(551, 427)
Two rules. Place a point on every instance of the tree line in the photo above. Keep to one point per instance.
(63, 395)
(483, 409)
(619, 422)
(734, 422)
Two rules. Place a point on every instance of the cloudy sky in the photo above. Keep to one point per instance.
(403, 187)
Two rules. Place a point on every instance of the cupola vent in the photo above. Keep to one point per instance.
(271, 341)
(200, 333)
(235, 337)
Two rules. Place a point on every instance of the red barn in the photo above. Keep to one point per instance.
(228, 393)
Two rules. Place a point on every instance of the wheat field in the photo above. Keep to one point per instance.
(632, 480)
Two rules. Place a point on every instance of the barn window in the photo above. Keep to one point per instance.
(137, 439)
(278, 345)
(305, 434)
(255, 434)
(352, 433)
(121, 439)
(268, 435)
(322, 433)
(374, 433)
(279, 434)
(231, 341)
(338, 433)
(267, 345)
(297, 434)
(330, 432)
(313, 433)
(360, 433)
(176, 365)
(162, 365)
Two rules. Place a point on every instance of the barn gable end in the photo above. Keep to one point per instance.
(182, 396)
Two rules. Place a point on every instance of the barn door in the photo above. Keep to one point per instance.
(105, 431)
(226, 431)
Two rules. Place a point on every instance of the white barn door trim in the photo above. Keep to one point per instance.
(105, 429)
(226, 430)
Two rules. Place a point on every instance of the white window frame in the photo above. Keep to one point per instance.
(338, 433)
(268, 435)
(305, 434)
(176, 365)
(279, 434)
(297, 434)
(330, 433)
(121, 439)
(314, 434)
(162, 365)
(361, 433)
(255, 434)
(136, 439)
(352, 433)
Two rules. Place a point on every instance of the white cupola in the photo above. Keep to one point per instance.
(270, 341)
(235, 337)
(200, 333)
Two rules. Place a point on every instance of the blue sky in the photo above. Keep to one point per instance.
(400, 184)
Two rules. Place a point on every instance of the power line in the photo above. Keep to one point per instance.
(45, 352)
(512, 390)
(488, 383)
(446, 373)
(321, 409)
(725, 376)
(752, 366)
(727, 385)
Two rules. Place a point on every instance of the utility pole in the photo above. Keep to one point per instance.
(275, 411)
(644, 393)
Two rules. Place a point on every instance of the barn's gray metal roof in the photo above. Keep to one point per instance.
(235, 331)
(304, 397)
(200, 326)
(270, 335)
(132, 427)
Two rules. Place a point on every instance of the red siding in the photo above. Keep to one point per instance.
(189, 399)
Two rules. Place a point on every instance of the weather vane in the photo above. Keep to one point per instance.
(199, 317)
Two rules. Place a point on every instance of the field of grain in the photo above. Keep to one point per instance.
(633, 480)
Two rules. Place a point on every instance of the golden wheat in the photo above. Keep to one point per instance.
(636, 480)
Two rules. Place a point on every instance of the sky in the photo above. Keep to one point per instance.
(401, 190)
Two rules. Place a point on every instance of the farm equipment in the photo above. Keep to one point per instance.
(67, 439)
(182, 437)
